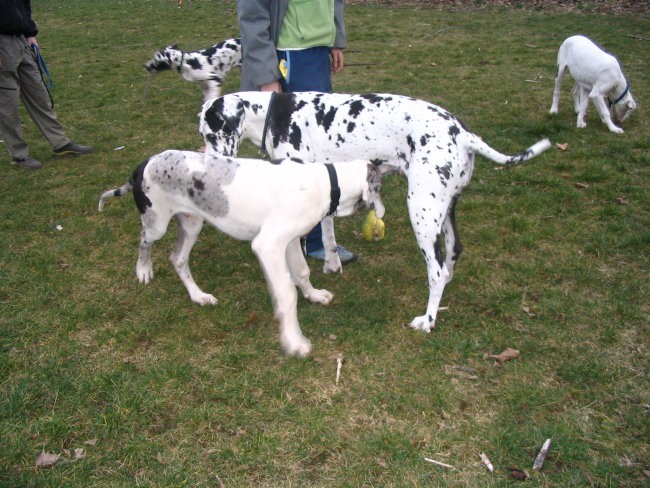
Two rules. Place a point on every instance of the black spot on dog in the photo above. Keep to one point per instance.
(282, 107)
(141, 200)
(411, 143)
(295, 136)
(355, 108)
(198, 184)
(438, 253)
(194, 63)
(351, 126)
(453, 132)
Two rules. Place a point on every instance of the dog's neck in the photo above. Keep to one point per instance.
(619, 92)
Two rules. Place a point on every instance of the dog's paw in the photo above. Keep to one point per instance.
(323, 297)
(422, 323)
(300, 347)
(144, 273)
(581, 124)
(616, 130)
(204, 299)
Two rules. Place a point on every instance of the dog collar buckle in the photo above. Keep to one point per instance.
(335, 192)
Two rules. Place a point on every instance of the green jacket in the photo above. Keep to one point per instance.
(259, 27)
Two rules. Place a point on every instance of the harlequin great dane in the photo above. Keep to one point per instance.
(598, 77)
(271, 204)
(425, 142)
(208, 67)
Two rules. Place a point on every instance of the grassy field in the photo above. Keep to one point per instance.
(159, 392)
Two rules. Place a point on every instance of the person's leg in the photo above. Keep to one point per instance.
(37, 102)
(10, 125)
(309, 70)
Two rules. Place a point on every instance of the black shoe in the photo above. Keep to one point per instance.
(72, 149)
(27, 162)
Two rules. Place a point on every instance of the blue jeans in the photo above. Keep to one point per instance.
(308, 70)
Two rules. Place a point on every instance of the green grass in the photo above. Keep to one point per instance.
(172, 394)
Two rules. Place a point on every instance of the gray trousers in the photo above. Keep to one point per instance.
(21, 80)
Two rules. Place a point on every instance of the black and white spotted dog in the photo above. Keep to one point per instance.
(208, 67)
(271, 204)
(425, 142)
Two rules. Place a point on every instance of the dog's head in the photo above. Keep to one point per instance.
(163, 59)
(622, 109)
(221, 124)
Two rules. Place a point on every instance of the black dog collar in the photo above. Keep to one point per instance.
(627, 89)
(335, 192)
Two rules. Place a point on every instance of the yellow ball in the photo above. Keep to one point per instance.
(373, 228)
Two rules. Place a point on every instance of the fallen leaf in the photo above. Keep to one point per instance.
(506, 355)
(47, 460)
(79, 453)
(562, 147)
(622, 201)
(527, 311)
(161, 458)
(581, 185)
(91, 442)
(519, 474)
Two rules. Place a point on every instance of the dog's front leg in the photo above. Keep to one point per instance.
(271, 254)
(189, 227)
(557, 90)
(300, 274)
(332, 259)
(599, 102)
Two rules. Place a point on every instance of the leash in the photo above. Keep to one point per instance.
(267, 119)
(627, 89)
(42, 69)
(335, 192)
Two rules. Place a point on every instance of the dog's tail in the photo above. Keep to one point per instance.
(478, 146)
(115, 192)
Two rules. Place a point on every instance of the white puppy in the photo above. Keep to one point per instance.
(271, 204)
(597, 76)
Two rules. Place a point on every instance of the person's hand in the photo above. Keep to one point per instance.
(337, 59)
(31, 41)
(272, 87)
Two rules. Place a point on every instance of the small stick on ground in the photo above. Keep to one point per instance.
(339, 365)
(539, 460)
(487, 462)
(438, 463)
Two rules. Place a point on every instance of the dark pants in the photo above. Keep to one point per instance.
(308, 70)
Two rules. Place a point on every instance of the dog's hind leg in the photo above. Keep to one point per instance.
(153, 228)
(581, 100)
(427, 224)
(189, 228)
(300, 275)
(271, 252)
(453, 246)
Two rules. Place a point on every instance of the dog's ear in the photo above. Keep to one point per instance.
(173, 46)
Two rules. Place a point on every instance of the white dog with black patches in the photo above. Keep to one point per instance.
(425, 142)
(598, 77)
(207, 67)
(271, 204)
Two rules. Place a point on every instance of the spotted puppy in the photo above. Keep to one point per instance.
(598, 77)
(271, 204)
(208, 68)
(425, 142)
